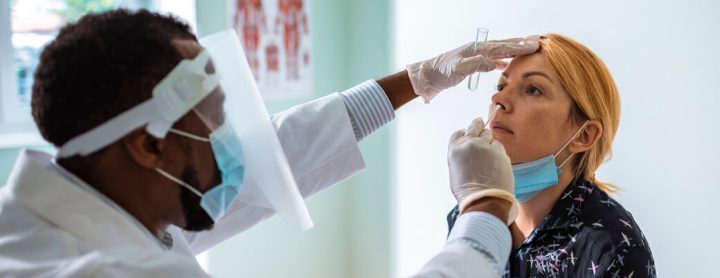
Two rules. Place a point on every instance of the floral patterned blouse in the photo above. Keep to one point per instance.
(586, 234)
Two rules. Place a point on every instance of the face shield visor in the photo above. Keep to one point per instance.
(218, 86)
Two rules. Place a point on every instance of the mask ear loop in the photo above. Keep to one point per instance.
(568, 143)
(189, 135)
(178, 181)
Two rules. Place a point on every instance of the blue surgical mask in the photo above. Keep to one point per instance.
(225, 145)
(534, 176)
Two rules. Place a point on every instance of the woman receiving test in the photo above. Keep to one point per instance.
(559, 110)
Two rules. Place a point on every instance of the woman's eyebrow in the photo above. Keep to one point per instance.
(531, 73)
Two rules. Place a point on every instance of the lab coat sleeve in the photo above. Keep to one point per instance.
(368, 107)
(478, 246)
(321, 148)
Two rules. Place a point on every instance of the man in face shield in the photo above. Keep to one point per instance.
(160, 155)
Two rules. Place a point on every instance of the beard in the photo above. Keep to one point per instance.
(196, 219)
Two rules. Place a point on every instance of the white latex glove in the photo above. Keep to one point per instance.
(479, 168)
(432, 76)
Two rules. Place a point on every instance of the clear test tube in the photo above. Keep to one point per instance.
(481, 36)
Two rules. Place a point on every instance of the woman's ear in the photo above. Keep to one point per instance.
(144, 148)
(587, 137)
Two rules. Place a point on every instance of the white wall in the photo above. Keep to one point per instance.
(665, 59)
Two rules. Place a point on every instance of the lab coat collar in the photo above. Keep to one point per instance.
(42, 190)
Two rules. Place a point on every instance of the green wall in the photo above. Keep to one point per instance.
(370, 44)
(7, 159)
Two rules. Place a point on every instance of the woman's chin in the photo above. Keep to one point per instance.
(507, 146)
(501, 136)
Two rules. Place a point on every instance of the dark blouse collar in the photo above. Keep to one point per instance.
(566, 211)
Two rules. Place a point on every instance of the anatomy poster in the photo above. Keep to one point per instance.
(276, 37)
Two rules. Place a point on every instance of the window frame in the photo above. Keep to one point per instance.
(17, 128)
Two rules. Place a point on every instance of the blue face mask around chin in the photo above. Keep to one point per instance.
(533, 177)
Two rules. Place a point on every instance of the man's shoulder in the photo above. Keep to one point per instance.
(50, 252)
(138, 261)
(111, 262)
(31, 246)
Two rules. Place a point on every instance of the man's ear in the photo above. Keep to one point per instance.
(144, 148)
(587, 138)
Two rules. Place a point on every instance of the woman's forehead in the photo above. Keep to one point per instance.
(527, 63)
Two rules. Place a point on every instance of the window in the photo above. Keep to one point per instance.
(26, 26)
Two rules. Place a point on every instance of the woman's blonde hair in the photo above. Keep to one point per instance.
(591, 87)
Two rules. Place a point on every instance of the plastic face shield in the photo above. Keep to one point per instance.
(233, 101)
(268, 180)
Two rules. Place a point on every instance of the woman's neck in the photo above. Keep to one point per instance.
(532, 212)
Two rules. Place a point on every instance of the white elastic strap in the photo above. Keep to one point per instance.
(566, 160)
(171, 99)
(110, 131)
(178, 181)
(568, 143)
(572, 138)
(189, 135)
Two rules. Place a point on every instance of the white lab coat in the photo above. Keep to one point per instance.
(50, 227)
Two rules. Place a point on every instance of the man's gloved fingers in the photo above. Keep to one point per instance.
(475, 128)
(456, 135)
(500, 148)
(466, 50)
(509, 48)
(535, 38)
(470, 65)
(510, 40)
(498, 145)
(501, 64)
(470, 49)
(487, 137)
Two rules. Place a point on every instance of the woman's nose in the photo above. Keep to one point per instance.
(501, 99)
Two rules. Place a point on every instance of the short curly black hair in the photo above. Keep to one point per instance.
(101, 66)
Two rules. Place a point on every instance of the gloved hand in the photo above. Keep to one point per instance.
(479, 168)
(430, 77)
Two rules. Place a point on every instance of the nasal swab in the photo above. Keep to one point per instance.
(492, 115)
